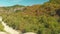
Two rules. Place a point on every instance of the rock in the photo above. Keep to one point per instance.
(3, 33)
(29, 33)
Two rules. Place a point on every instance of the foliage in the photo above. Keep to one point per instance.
(42, 19)
(1, 27)
(55, 1)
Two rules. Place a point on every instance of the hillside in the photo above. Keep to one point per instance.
(11, 8)
(42, 19)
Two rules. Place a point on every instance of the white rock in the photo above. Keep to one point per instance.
(3, 33)
(29, 33)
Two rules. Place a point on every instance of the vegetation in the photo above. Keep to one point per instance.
(1, 27)
(54, 1)
(42, 19)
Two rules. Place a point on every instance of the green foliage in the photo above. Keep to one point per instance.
(55, 1)
(1, 27)
(41, 19)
